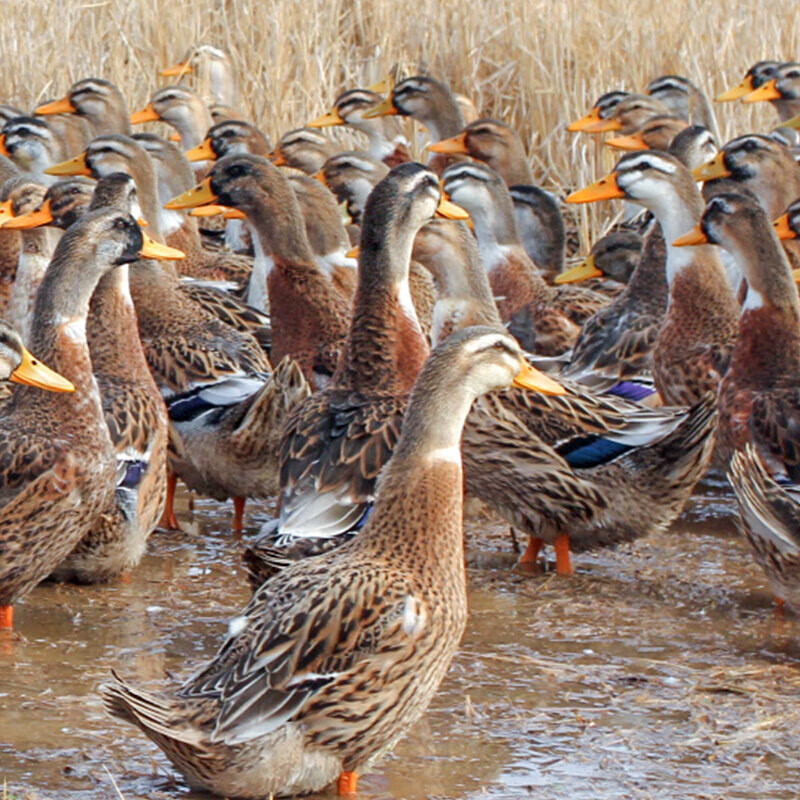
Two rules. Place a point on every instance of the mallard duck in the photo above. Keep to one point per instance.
(769, 513)
(305, 149)
(694, 146)
(181, 109)
(629, 114)
(545, 320)
(211, 69)
(602, 108)
(386, 140)
(684, 99)
(286, 708)
(96, 100)
(656, 134)
(351, 176)
(9, 112)
(337, 442)
(614, 256)
(540, 226)
(32, 144)
(759, 397)
(310, 316)
(230, 137)
(693, 348)
(17, 365)
(756, 76)
(782, 89)
(59, 467)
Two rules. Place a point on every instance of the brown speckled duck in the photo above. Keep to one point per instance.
(305, 149)
(95, 100)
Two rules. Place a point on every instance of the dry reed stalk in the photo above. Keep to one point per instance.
(535, 63)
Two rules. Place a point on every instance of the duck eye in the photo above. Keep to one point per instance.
(749, 146)
(236, 171)
(120, 224)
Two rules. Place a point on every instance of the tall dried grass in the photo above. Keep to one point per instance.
(533, 63)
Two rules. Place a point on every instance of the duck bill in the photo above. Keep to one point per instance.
(62, 106)
(382, 87)
(233, 213)
(75, 166)
(320, 176)
(32, 372)
(33, 219)
(794, 122)
(147, 114)
(3, 148)
(176, 70)
(530, 378)
(737, 92)
(211, 210)
(603, 126)
(712, 169)
(634, 142)
(152, 249)
(605, 189)
(584, 122)
(276, 157)
(782, 227)
(450, 210)
(583, 272)
(200, 195)
(456, 144)
(333, 117)
(796, 275)
(383, 109)
(695, 236)
(202, 152)
(767, 91)
(6, 213)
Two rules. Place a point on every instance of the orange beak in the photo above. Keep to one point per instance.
(450, 210)
(202, 152)
(530, 378)
(234, 213)
(456, 144)
(6, 213)
(333, 117)
(767, 91)
(737, 92)
(33, 219)
(211, 210)
(695, 236)
(3, 149)
(153, 249)
(633, 142)
(385, 108)
(603, 126)
(782, 227)
(276, 157)
(605, 189)
(75, 166)
(62, 106)
(200, 195)
(176, 70)
(712, 169)
(147, 114)
(320, 176)
(584, 122)
(31, 372)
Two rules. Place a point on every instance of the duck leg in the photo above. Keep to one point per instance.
(347, 783)
(563, 562)
(168, 519)
(530, 558)
(238, 513)
(6, 618)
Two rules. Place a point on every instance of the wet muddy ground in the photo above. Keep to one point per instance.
(659, 671)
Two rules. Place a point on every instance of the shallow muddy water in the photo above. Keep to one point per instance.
(659, 671)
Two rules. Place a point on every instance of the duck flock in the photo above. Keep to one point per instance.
(368, 340)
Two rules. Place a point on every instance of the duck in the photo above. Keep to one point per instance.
(211, 69)
(756, 76)
(387, 143)
(782, 89)
(334, 704)
(182, 110)
(305, 149)
(629, 114)
(351, 176)
(26, 195)
(694, 146)
(59, 465)
(684, 99)
(602, 108)
(32, 144)
(336, 443)
(19, 365)
(310, 316)
(95, 100)
(614, 256)
(545, 320)
(769, 517)
(573, 471)
(541, 228)
(656, 134)
(230, 137)
(9, 112)
(759, 396)
(693, 348)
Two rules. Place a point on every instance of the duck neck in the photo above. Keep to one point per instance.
(281, 230)
(445, 121)
(192, 126)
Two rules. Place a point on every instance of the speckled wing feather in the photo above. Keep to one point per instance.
(578, 302)
(775, 428)
(24, 457)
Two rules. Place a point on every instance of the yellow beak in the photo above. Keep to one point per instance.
(3, 149)
(6, 213)
(796, 275)
(767, 91)
(31, 372)
(782, 227)
(333, 117)
(355, 252)
(712, 169)
(233, 213)
(75, 166)
(603, 126)
(634, 142)
(62, 106)
(450, 210)
(605, 189)
(737, 92)
(200, 195)
(176, 70)
(584, 122)
(33, 219)
(383, 109)
(202, 152)
(382, 87)
(695, 236)
(530, 378)
(585, 270)
(153, 249)
(456, 144)
(211, 210)
(276, 157)
(320, 176)
(147, 114)
(794, 122)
